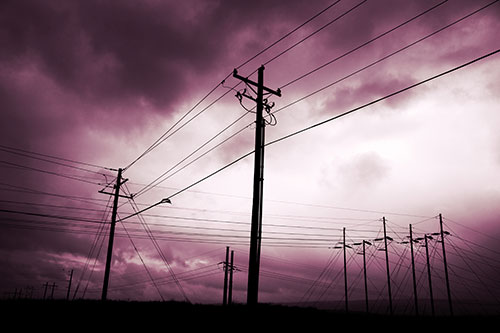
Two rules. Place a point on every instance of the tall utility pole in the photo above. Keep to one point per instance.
(69, 284)
(387, 266)
(119, 182)
(345, 273)
(426, 237)
(445, 264)
(226, 269)
(258, 184)
(413, 272)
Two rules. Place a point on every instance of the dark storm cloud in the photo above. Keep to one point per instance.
(122, 50)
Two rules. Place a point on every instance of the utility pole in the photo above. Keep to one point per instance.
(258, 184)
(69, 285)
(364, 273)
(413, 272)
(345, 273)
(231, 267)
(46, 285)
(387, 266)
(53, 287)
(119, 182)
(226, 268)
(429, 273)
(445, 264)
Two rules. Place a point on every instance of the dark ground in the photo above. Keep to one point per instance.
(178, 317)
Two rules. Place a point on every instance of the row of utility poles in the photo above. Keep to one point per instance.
(48, 290)
(411, 241)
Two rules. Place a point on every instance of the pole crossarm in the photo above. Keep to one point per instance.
(255, 84)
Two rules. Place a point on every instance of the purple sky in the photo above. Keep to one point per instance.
(99, 82)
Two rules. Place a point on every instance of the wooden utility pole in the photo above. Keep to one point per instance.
(69, 284)
(413, 272)
(258, 184)
(53, 287)
(119, 182)
(364, 273)
(231, 270)
(445, 264)
(46, 285)
(345, 273)
(429, 273)
(387, 266)
(226, 269)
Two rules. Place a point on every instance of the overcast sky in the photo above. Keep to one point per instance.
(100, 81)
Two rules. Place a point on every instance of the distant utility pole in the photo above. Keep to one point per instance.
(345, 272)
(53, 287)
(228, 266)
(119, 182)
(387, 266)
(364, 273)
(426, 237)
(226, 270)
(258, 183)
(231, 269)
(445, 263)
(45, 286)
(69, 285)
(413, 272)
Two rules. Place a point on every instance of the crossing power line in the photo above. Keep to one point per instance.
(356, 109)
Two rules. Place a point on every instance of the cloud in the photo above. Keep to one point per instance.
(364, 170)
(366, 90)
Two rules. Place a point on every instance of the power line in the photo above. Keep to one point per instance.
(13, 150)
(164, 136)
(289, 33)
(143, 263)
(384, 97)
(316, 31)
(362, 45)
(322, 123)
(49, 172)
(383, 58)
(50, 216)
(152, 184)
(158, 249)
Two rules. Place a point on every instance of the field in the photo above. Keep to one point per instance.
(178, 316)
